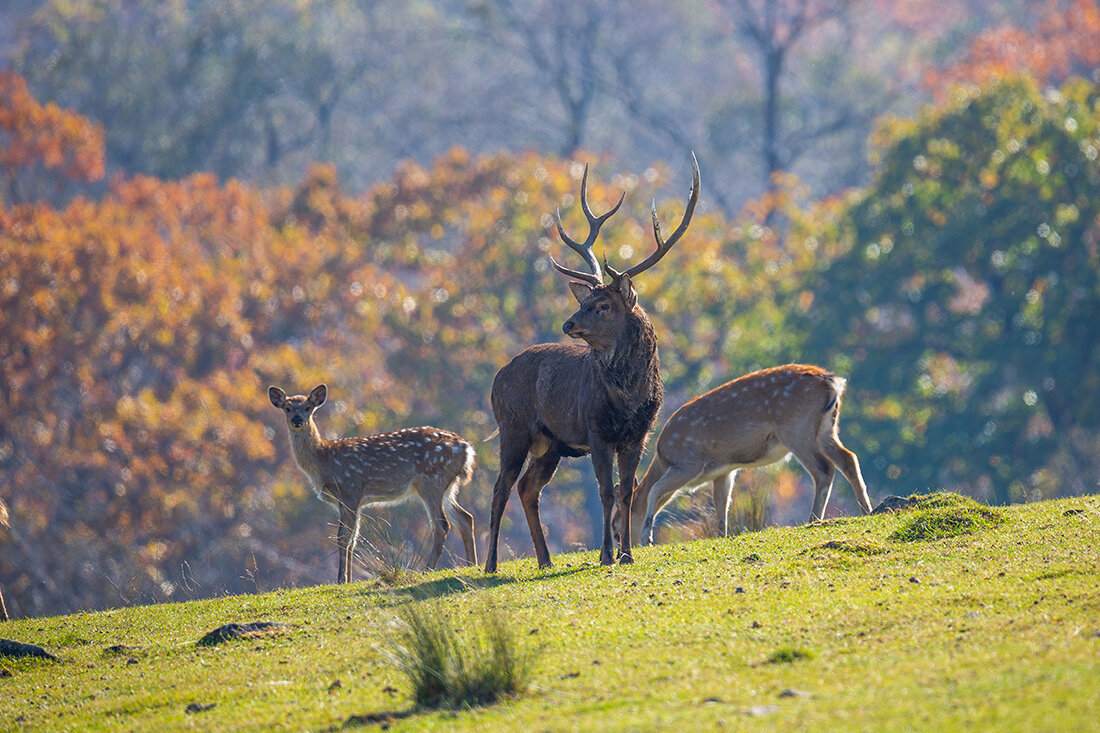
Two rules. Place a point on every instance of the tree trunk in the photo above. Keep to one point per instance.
(773, 70)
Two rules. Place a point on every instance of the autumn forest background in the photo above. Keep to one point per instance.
(200, 198)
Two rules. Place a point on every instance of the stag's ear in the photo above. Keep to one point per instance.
(627, 291)
(580, 290)
(318, 395)
(277, 396)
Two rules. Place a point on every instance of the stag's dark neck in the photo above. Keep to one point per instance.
(630, 370)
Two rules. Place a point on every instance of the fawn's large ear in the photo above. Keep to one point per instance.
(278, 397)
(580, 290)
(626, 289)
(318, 395)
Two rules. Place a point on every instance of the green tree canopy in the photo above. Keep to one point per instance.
(965, 310)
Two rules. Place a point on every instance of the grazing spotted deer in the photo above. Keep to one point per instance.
(386, 468)
(555, 400)
(754, 420)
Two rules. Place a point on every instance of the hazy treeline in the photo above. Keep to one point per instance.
(142, 317)
(259, 89)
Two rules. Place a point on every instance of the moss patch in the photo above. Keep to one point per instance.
(788, 654)
(942, 515)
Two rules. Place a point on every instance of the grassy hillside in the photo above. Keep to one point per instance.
(883, 623)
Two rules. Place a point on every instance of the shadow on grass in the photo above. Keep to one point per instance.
(453, 584)
(383, 719)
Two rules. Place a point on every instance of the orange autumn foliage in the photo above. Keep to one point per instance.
(44, 135)
(1063, 44)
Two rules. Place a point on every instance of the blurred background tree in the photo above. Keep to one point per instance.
(965, 308)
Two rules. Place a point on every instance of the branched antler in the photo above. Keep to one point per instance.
(585, 250)
(663, 246)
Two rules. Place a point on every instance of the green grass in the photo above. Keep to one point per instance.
(838, 626)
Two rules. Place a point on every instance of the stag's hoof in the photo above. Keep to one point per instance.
(626, 559)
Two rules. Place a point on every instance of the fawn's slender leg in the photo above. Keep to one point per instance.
(723, 486)
(346, 534)
(661, 494)
(848, 464)
(465, 523)
(440, 527)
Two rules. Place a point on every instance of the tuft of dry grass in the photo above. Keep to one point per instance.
(446, 668)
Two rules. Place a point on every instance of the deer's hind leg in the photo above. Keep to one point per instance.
(432, 492)
(822, 471)
(848, 464)
(723, 487)
(513, 452)
(538, 474)
(465, 522)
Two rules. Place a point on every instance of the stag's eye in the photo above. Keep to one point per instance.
(603, 308)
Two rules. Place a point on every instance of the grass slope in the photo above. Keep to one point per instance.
(947, 617)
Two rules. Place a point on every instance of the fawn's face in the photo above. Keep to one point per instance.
(298, 408)
(603, 309)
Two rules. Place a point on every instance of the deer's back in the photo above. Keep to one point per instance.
(386, 463)
(541, 388)
(743, 420)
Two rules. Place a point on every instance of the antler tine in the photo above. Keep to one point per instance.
(585, 249)
(587, 277)
(664, 246)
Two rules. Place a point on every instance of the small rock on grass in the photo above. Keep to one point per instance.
(792, 692)
(198, 707)
(240, 631)
(894, 504)
(16, 649)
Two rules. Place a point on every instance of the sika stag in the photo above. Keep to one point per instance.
(600, 397)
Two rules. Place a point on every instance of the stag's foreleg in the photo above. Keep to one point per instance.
(628, 459)
(602, 460)
(538, 474)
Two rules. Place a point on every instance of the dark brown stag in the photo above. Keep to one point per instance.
(555, 400)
